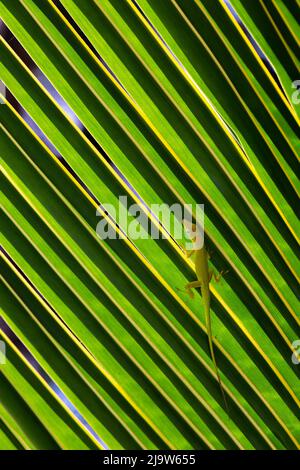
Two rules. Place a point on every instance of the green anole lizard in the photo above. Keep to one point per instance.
(204, 276)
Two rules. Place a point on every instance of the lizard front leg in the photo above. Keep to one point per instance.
(190, 286)
(188, 253)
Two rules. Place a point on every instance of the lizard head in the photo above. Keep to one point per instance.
(193, 232)
(190, 229)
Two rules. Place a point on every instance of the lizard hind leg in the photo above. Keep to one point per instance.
(190, 286)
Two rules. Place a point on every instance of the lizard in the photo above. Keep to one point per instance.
(204, 276)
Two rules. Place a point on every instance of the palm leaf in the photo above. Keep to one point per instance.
(103, 351)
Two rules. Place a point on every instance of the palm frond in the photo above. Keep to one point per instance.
(176, 105)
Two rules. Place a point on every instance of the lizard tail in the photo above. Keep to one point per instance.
(211, 348)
